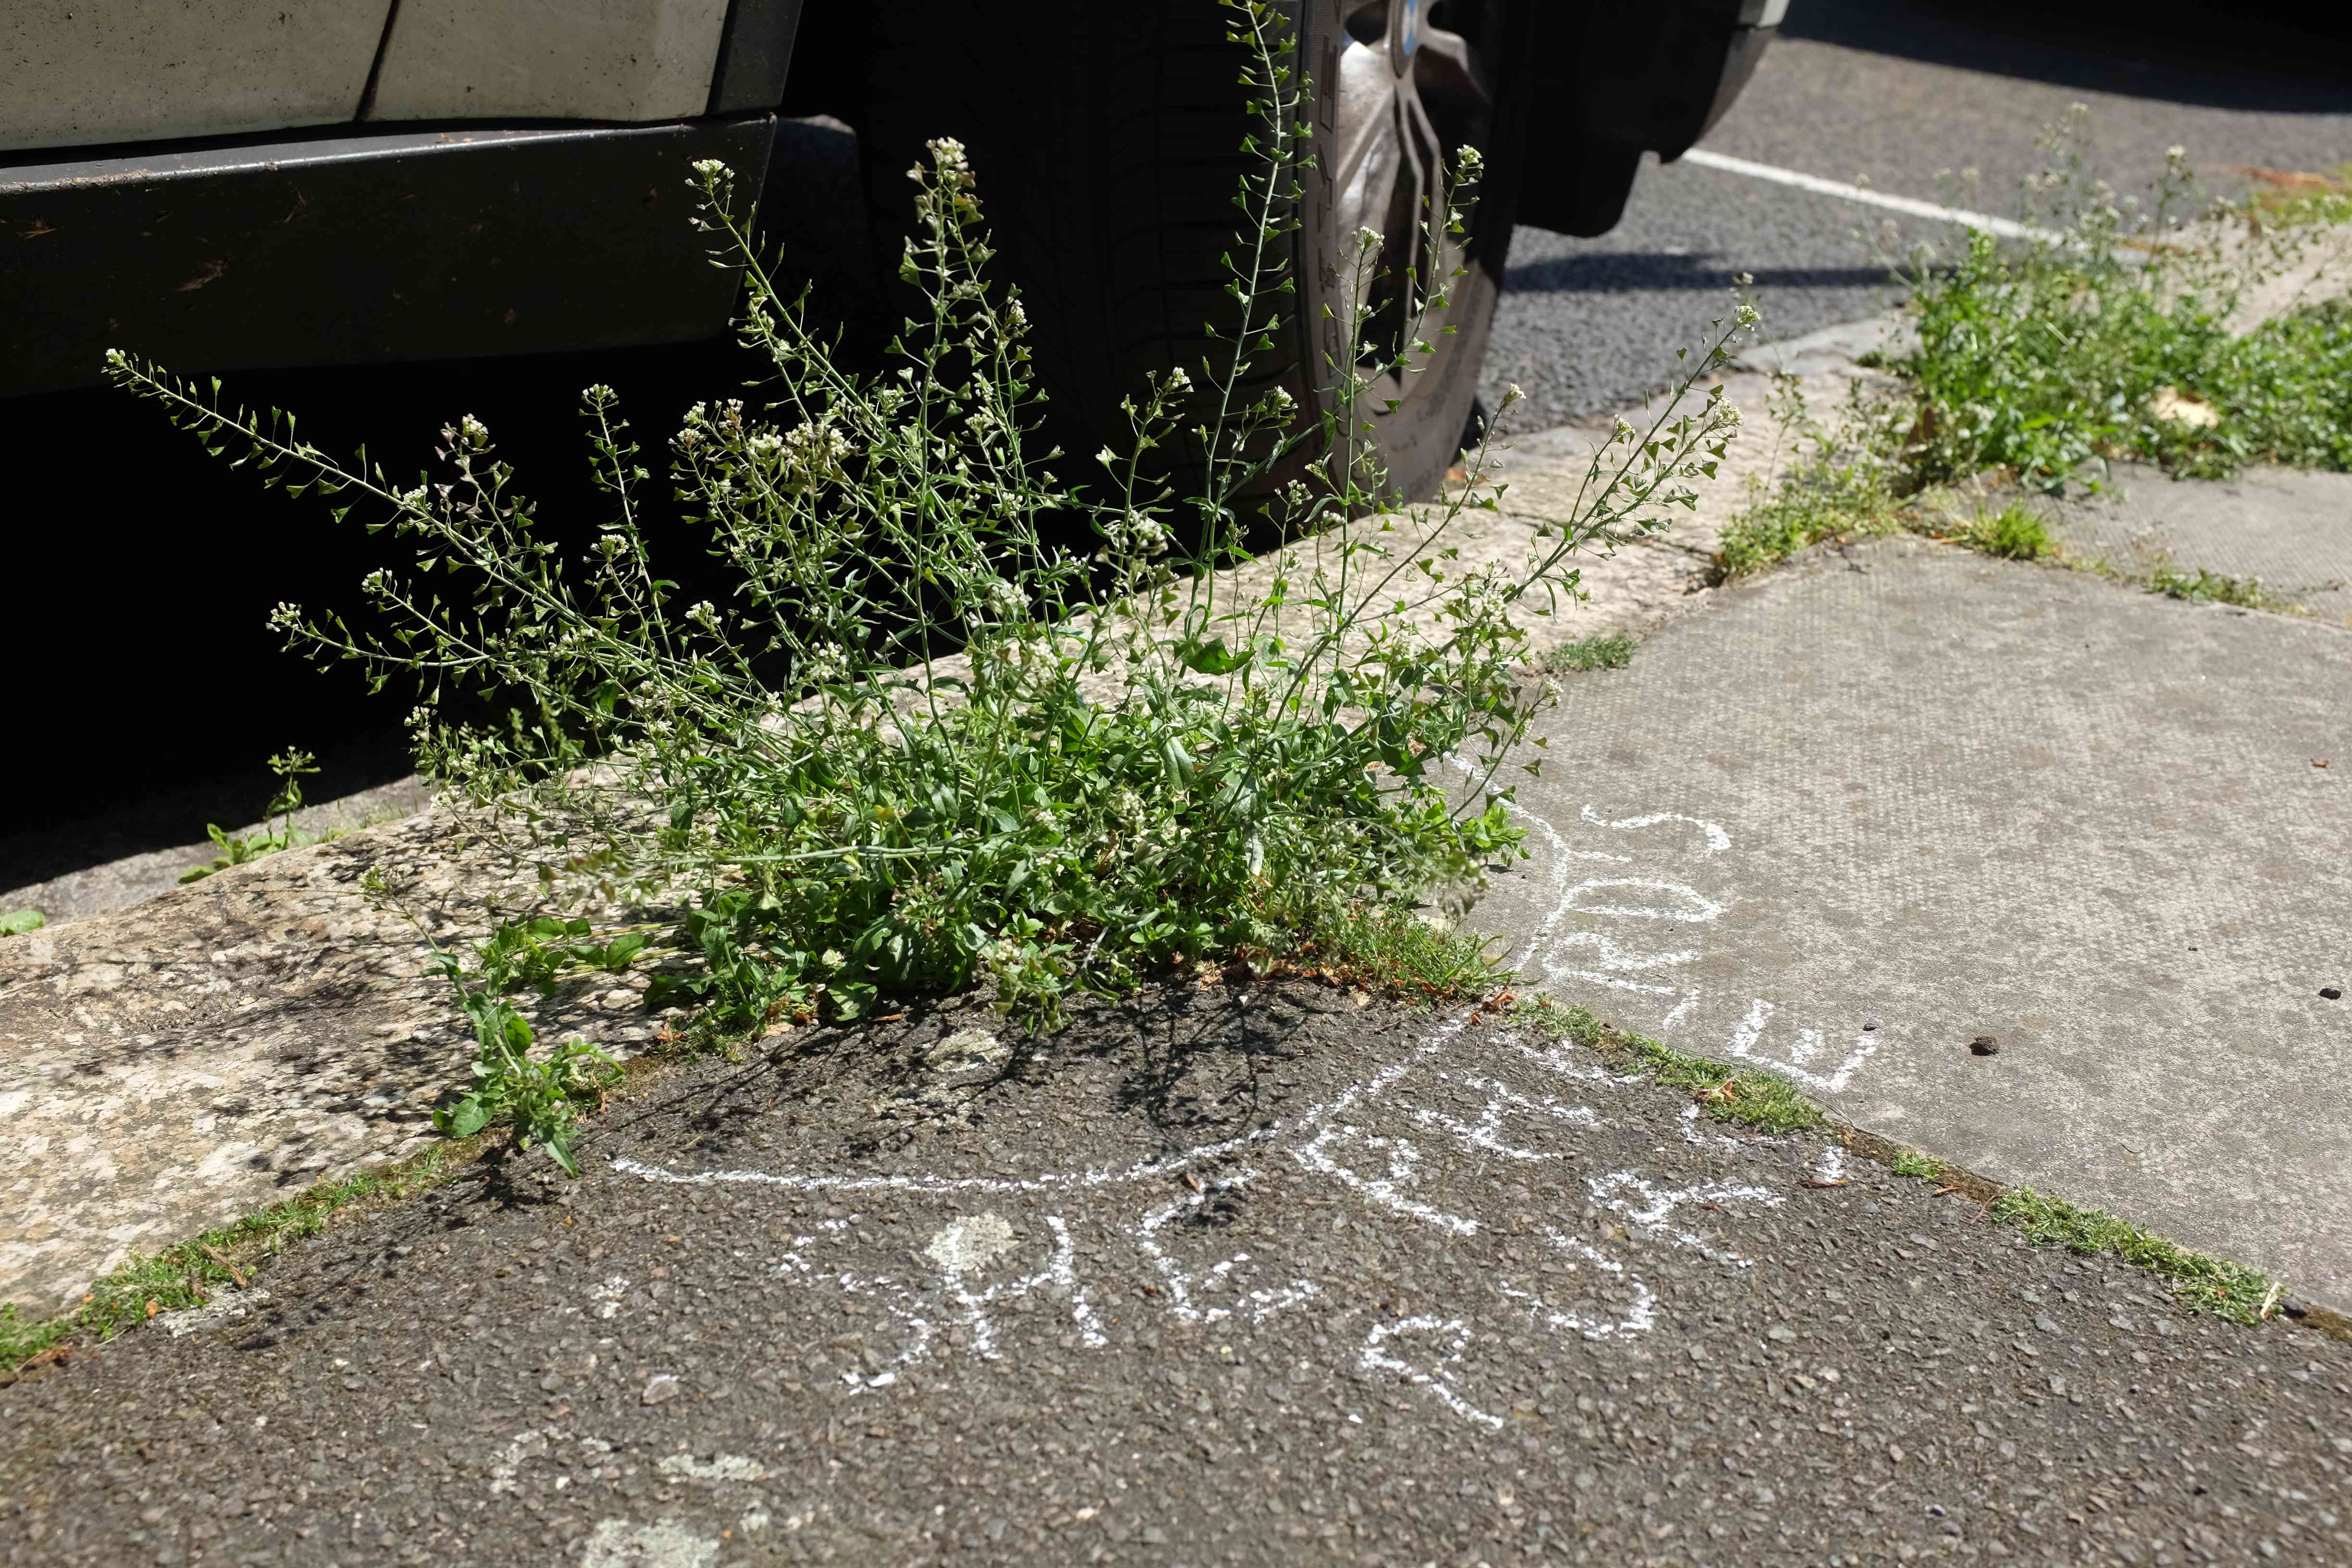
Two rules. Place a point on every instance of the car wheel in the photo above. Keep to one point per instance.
(1106, 138)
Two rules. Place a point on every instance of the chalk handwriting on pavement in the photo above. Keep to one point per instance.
(1370, 1142)
(1499, 1097)
(1639, 906)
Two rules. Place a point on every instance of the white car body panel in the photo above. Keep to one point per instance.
(141, 70)
(563, 60)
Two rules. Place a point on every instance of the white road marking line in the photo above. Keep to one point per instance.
(2007, 228)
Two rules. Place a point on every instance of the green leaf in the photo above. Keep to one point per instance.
(16, 923)
(463, 1120)
(1212, 656)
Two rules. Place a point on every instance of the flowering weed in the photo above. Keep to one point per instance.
(918, 745)
(2115, 339)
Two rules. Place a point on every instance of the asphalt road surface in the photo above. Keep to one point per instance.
(1222, 1276)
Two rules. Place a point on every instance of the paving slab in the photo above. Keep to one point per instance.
(1849, 818)
(2288, 529)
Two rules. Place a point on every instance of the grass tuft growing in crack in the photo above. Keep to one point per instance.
(1834, 485)
(1911, 1163)
(2204, 586)
(187, 1275)
(1612, 652)
(2241, 1294)
(2012, 533)
(1762, 1101)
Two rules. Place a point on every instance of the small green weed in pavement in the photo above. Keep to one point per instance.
(2208, 1284)
(538, 1097)
(2012, 533)
(185, 1276)
(1911, 1163)
(920, 745)
(1763, 1102)
(16, 923)
(1820, 501)
(1613, 652)
(2173, 582)
(290, 766)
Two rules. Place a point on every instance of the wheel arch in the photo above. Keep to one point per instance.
(1637, 76)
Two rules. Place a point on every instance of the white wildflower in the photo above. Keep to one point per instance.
(474, 431)
(816, 447)
(1367, 239)
(1178, 381)
(1003, 598)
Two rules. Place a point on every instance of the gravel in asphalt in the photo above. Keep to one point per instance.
(1231, 1274)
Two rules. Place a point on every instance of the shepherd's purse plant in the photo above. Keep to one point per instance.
(921, 744)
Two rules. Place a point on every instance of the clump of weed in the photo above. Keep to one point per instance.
(2110, 336)
(2208, 1284)
(16, 923)
(1611, 652)
(186, 1275)
(2173, 582)
(1763, 1102)
(1837, 484)
(919, 746)
(2012, 533)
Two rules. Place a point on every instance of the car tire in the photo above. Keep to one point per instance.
(1106, 139)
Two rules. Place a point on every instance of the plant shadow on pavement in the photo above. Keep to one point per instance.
(1192, 1060)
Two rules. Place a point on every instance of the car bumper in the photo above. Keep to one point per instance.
(346, 248)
